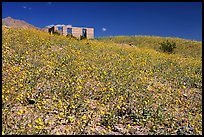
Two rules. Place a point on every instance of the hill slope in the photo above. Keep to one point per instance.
(57, 85)
(186, 48)
(15, 23)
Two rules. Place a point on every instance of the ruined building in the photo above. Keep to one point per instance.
(74, 31)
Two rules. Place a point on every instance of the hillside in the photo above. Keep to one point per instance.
(15, 23)
(186, 48)
(58, 85)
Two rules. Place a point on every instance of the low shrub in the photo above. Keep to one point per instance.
(167, 46)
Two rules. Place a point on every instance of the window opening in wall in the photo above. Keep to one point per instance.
(59, 28)
(84, 33)
(69, 30)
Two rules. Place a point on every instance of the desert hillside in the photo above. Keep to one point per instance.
(57, 85)
(186, 48)
(16, 23)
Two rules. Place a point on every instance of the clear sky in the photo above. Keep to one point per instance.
(167, 19)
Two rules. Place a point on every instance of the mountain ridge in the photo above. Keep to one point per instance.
(16, 23)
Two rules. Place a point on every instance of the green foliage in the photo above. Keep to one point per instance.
(109, 119)
(167, 46)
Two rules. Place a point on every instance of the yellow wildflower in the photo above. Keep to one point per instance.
(92, 129)
(73, 106)
(118, 107)
(57, 133)
(109, 127)
(21, 85)
(80, 87)
(83, 117)
(102, 112)
(39, 107)
(128, 126)
(29, 125)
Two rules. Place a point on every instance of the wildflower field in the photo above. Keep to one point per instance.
(57, 85)
(187, 48)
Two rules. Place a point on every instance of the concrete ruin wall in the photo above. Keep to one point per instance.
(55, 28)
(76, 31)
(90, 33)
(64, 30)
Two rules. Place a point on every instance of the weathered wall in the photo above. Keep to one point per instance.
(76, 32)
(55, 28)
(90, 33)
(64, 30)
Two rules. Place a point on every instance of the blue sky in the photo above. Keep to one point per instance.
(167, 19)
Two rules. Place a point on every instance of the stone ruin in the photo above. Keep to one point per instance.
(74, 31)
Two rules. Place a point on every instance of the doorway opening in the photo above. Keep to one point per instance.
(84, 33)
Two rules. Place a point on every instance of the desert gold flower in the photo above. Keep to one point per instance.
(66, 130)
(39, 107)
(128, 126)
(57, 133)
(109, 127)
(83, 117)
(29, 125)
(61, 114)
(93, 129)
(80, 87)
(184, 87)
(102, 112)
(118, 107)
(104, 131)
(73, 106)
